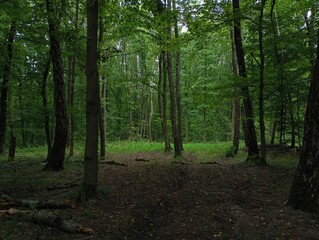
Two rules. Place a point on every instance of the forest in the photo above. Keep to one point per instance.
(159, 119)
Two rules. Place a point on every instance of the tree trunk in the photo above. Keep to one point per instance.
(12, 148)
(304, 191)
(150, 119)
(281, 75)
(292, 121)
(102, 122)
(178, 81)
(273, 132)
(45, 105)
(261, 85)
(253, 151)
(5, 87)
(89, 186)
(235, 103)
(22, 117)
(172, 89)
(165, 132)
(56, 157)
(71, 81)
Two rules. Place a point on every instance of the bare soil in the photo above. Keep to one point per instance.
(158, 199)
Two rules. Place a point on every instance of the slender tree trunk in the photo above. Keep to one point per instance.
(235, 103)
(304, 191)
(281, 76)
(5, 87)
(165, 132)
(22, 117)
(253, 151)
(56, 157)
(71, 81)
(89, 186)
(273, 132)
(172, 89)
(261, 85)
(102, 122)
(292, 121)
(150, 119)
(178, 81)
(45, 105)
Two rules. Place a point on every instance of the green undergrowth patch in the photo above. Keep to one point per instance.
(134, 147)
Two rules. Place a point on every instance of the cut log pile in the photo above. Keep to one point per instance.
(33, 212)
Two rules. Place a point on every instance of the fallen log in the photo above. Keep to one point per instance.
(47, 219)
(33, 204)
(180, 162)
(141, 160)
(214, 162)
(113, 163)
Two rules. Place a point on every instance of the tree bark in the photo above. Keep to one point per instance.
(253, 151)
(261, 85)
(178, 80)
(71, 81)
(102, 122)
(164, 93)
(56, 157)
(12, 147)
(5, 87)
(304, 191)
(172, 89)
(235, 103)
(281, 75)
(89, 186)
(45, 104)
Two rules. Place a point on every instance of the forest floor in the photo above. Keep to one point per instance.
(158, 199)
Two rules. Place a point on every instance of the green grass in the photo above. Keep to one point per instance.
(203, 152)
(133, 147)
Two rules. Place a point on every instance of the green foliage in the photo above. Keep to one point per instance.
(134, 34)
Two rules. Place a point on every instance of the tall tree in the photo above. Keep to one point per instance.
(304, 191)
(178, 77)
(253, 151)
(56, 157)
(89, 185)
(172, 88)
(71, 82)
(5, 87)
(45, 104)
(261, 84)
(235, 103)
(102, 122)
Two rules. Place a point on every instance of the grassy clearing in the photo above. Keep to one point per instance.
(203, 151)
